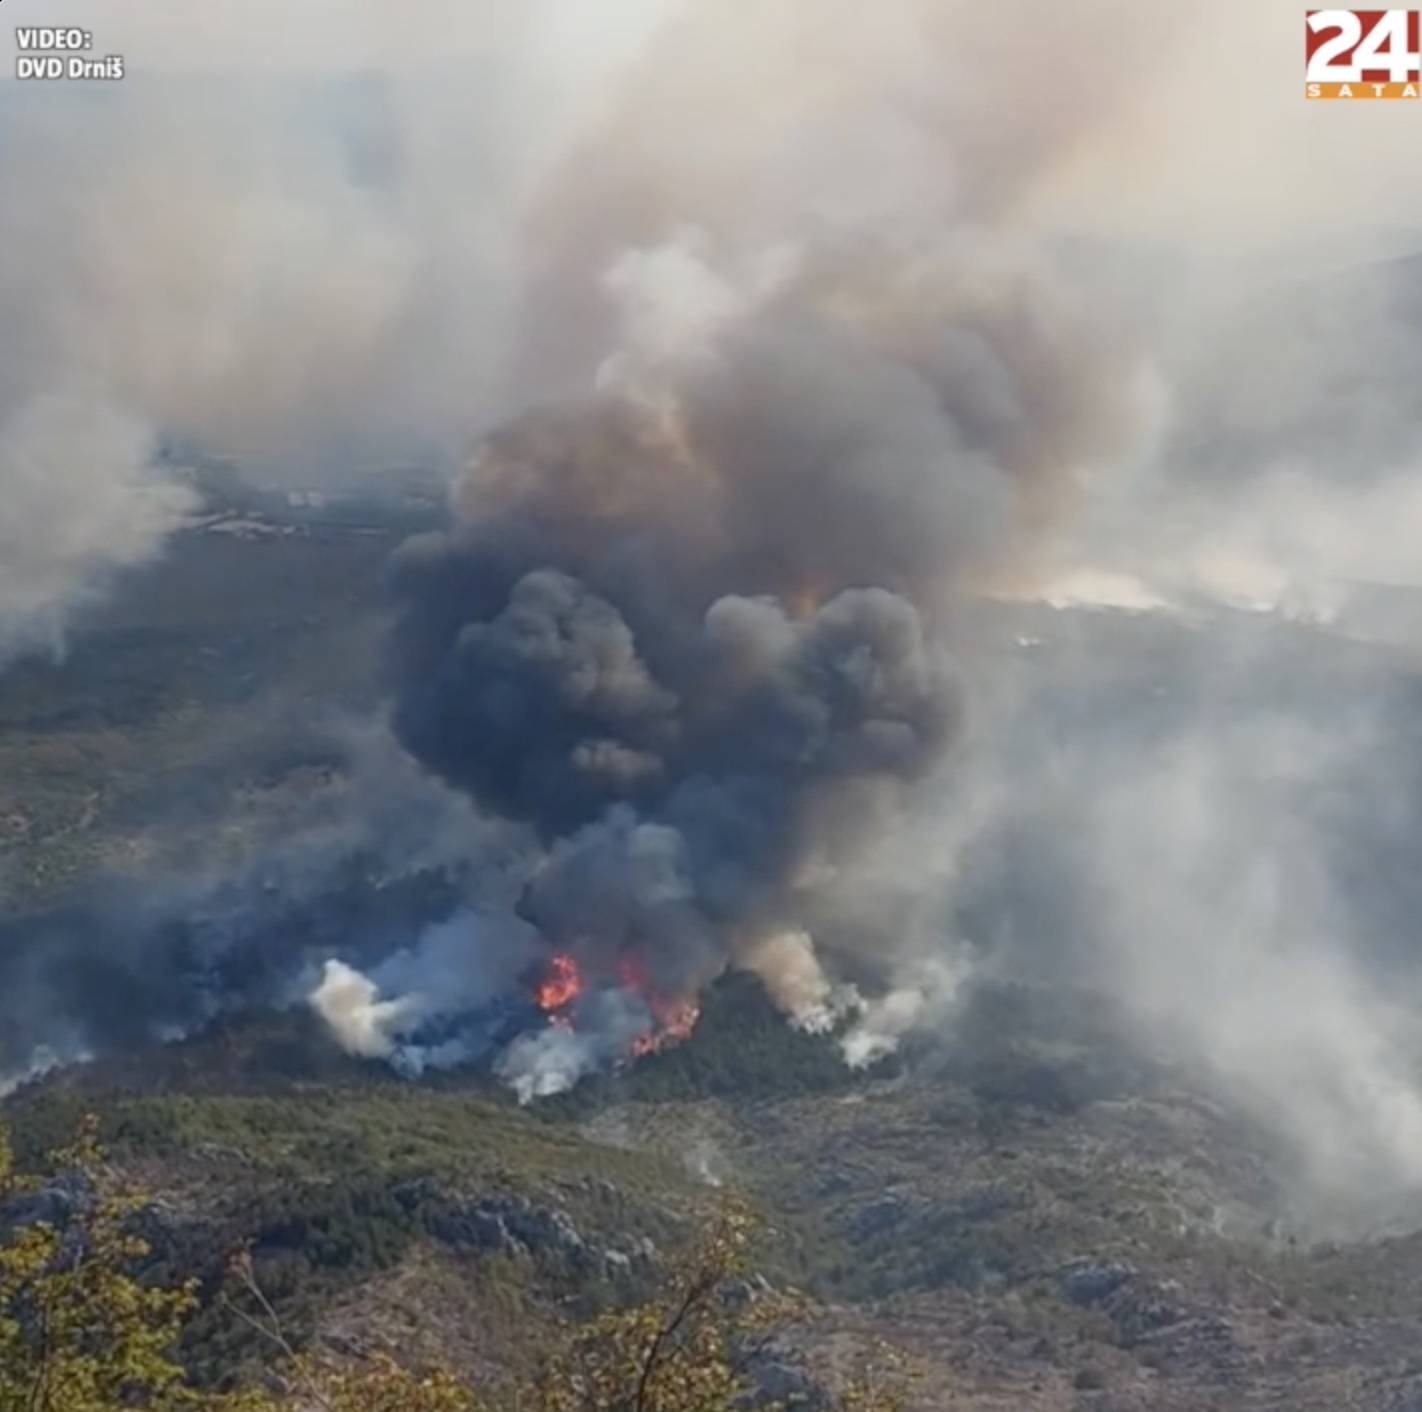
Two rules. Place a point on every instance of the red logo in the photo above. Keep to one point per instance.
(1362, 54)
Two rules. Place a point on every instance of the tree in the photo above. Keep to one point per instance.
(378, 1385)
(78, 1331)
(684, 1351)
(882, 1380)
(82, 1331)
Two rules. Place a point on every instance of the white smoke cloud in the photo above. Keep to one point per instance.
(44, 1059)
(419, 1006)
(1223, 853)
(674, 300)
(547, 1061)
(916, 1001)
(315, 276)
(363, 1024)
(786, 962)
(82, 500)
(552, 1058)
(304, 255)
(1225, 913)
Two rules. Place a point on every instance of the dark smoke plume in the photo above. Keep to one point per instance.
(819, 304)
(800, 377)
(694, 630)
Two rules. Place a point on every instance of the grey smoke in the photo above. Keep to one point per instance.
(543, 1062)
(1211, 820)
(82, 501)
(785, 333)
(306, 265)
(364, 870)
(735, 574)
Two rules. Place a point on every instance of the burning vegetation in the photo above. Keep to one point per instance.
(562, 986)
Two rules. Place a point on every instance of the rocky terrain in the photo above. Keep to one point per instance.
(1030, 1243)
(1040, 1214)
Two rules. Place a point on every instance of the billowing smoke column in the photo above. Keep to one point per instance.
(779, 277)
(691, 623)
(692, 629)
(798, 371)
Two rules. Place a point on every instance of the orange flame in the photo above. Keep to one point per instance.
(561, 985)
(562, 982)
(673, 1020)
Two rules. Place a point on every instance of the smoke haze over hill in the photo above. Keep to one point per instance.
(784, 336)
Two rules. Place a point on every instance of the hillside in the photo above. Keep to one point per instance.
(1044, 1216)
(1033, 1243)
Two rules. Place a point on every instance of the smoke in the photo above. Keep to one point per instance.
(1259, 938)
(363, 1025)
(692, 622)
(910, 996)
(540, 1063)
(693, 630)
(918, 998)
(364, 869)
(358, 246)
(307, 266)
(786, 335)
(83, 469)
(797, 983)
(1209, 819)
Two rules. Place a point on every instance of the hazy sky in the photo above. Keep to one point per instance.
(1214, 141)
